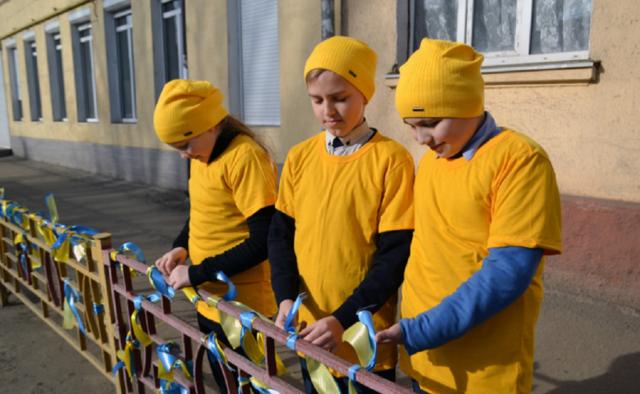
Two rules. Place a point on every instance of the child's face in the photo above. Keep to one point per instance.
(337, 104)
(445, 136)
(197, 148)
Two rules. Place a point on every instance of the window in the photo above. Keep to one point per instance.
(31, 59)
(16, 99)
(254, 61)
(84, 71)
(170, 55)
(542, 33)
(56, 76)
(119, 33)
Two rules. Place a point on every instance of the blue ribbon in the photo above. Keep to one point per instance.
(133, 249)
(70, 231)
(23, 252)
(98, 309)
(167, 387)
(230, 295)
(293, 312)
(210, 342)
(291, 341)
(246, 319)
(120, 364)
(158, 283)
(137, 300)
(353, 370)
(366, 318)
(72, 295)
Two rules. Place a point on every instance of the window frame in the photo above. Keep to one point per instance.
(80, 71)
(17, 114)
(56, 75)
(116, 93)
(505, 61)
(158, 17)
(33, 80)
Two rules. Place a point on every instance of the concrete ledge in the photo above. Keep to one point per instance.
(601, 250)
(155, 167)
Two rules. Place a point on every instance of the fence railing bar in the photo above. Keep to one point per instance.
(196, 335)
(270, 330)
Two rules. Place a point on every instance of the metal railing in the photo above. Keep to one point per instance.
(30, 272)
(191, 337)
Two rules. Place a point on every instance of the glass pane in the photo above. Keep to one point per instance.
(15, 88)
(84, 33)
(172, 57)
(60, 80)
(124, 72)
(560, 26)
(170, 5)
(494, 25)
(87, 79)
(36, 107)
(435, 19)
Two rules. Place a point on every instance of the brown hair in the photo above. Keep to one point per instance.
(314, 74)
(230, 123)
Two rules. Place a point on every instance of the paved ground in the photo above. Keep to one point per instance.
(584, 345)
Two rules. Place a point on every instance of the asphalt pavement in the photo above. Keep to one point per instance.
(584, 345)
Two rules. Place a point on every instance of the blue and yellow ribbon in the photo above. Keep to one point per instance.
(71, 296)
(168, 355)
(361, 336)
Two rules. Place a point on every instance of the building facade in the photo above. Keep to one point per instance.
(81, 79)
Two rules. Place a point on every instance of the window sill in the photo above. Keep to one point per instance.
(580, 73)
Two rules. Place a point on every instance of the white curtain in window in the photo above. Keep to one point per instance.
(560, 26)
(494, 25)
(260, 51)
(435, 19)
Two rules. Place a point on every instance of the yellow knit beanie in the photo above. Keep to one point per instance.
(442, 79)
(351, 59)
(186, 109)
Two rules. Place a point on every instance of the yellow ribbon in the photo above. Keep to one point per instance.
(68, 320)
(125, 356)
(139, 333)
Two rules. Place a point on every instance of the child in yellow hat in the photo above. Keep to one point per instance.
(489, 210)
(344, 215)
(232, 191)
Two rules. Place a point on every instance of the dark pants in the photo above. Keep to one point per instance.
(343, 383)
(416, 387)
(206, 326)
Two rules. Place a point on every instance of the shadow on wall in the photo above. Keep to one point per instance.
(621, 377)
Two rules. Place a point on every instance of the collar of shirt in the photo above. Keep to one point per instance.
(222, 142)
(358, 137)
(485, 132)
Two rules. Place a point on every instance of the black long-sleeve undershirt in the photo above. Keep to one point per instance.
(380, 283)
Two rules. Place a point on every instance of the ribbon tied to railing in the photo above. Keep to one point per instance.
(169, 356)
(361, 336)
(70, 310)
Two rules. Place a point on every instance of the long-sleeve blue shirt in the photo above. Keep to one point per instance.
(505, 275)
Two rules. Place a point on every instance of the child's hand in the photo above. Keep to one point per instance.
(179, 277)
(171, 259)
(326, 333)
(392, 334)
(283, 311)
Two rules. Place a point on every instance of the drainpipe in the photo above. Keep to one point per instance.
(328, 19)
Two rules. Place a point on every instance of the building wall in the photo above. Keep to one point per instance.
(586, 119)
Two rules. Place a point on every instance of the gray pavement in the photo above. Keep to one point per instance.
(584, 345)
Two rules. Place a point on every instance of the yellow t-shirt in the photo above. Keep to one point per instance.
(224, 193)
(506, 195)
(339, 204)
